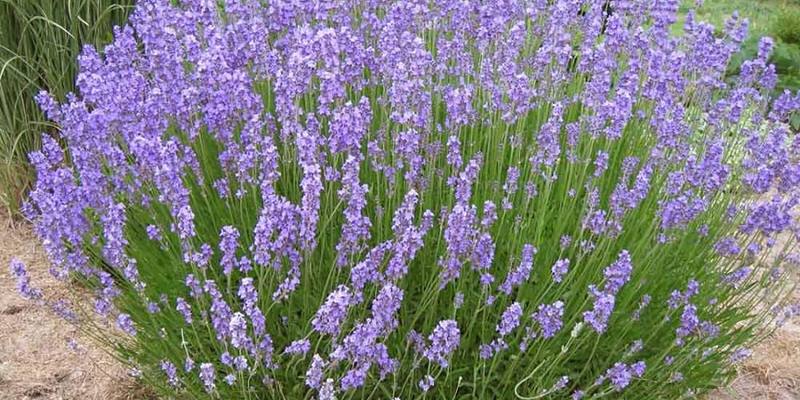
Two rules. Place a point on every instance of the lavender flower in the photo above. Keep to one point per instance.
(739, 355)
(600, 163)
(300, 346)
(368, 156)
(444, 340)
(510, 319)
(23, 281)
(185, 309)
(315, 372)
(220, 311)
(559, 269)
(240, 363)
(237, 328)
(549, 318)
(519, 275)
(616, 274)
(207, 376)
(188, 365)
(458, 301)
(622, 374)
(356, 229)
(125, 323)
(327, 391)
(560, 384)
(333, 312)
(510, 187)
(426, 383)
(690, 322)
(485, 351)
(153, 232)
(171, 372)
(249, 296)
(229, 241)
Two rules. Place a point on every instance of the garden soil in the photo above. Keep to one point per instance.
(37, 362)
(36, 359)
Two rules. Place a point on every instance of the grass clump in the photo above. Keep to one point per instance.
(39, 41)
(439, 200)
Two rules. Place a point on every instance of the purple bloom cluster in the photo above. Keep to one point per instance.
(519, 275)
(300, 346)
(356, 228)
(207, 376)
(185, 309)
(228, 242)
(510, 319)
(621, 375)
(616, 275)
(363, 347)
(549, 317)
(315, 372)
(23, 281)
(444, 340)
(126, 324)
(559, 269)
(171, 371)
(330, 315)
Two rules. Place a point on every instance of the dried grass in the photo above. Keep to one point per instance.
(35, 360)
(773, 371)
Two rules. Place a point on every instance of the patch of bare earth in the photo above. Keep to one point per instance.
(35, 360)
(773, 371)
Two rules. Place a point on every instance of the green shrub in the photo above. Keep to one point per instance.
(787, 63)
(450, 199)
(786, 26)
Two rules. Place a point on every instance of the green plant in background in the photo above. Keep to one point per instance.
(786, 30)
(39, 42)
(779, 19)
(786, 26)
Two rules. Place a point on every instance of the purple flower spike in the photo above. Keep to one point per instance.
(510, 319)
(444, 340)
(300, 346)
(23, 281)
(333, 312)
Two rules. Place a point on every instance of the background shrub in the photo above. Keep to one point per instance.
(445, 200)
(787, 26)
(39, 41)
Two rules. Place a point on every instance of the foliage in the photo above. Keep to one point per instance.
(422, 200)
(774, 18)
(787, 26)
(39, 41)
(787, 63)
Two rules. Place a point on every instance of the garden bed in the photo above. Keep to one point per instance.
(36, 361)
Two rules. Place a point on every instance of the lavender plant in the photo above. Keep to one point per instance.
(365, 199)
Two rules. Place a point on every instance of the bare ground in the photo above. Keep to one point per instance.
(36, 362)
(773, 371)
(35, 359)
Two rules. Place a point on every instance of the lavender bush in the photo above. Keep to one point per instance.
(366, 199)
